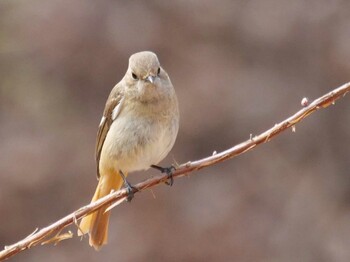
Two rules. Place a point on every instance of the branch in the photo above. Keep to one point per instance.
(115, 198)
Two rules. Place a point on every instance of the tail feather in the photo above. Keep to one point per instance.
(96, 224)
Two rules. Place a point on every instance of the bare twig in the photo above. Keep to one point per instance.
(42, 236)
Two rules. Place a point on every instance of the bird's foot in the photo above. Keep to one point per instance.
(129, 188)
(169, 171)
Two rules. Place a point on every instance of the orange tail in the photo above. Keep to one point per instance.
(96, 224)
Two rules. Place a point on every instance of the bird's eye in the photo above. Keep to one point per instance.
(158, 72)
(134, 76)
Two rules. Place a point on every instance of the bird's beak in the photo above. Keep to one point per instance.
(150, 79)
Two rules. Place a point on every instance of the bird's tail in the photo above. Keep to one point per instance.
(96, 224)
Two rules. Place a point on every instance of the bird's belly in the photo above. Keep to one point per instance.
(136, 144)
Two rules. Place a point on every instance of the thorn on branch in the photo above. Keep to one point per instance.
(77, 225)
(188, 164)
(58, 238)
(305, 102)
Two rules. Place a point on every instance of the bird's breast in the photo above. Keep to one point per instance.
(137, 139)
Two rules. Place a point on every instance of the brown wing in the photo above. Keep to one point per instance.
(111, 111)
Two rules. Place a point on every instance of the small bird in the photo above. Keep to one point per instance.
(137, 130)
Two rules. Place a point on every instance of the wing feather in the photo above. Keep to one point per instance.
(110, 114)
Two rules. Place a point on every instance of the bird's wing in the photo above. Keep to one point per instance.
(112, 109)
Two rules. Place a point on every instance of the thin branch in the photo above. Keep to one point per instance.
(51, 233)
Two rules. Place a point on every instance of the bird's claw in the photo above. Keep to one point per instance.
(130, 191)
(129, 188)
(169, 171)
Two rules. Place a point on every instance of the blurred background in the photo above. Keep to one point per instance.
(238, 68)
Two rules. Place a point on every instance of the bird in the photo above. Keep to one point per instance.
(138, 129)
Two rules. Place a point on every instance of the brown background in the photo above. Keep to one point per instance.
(238, 68)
